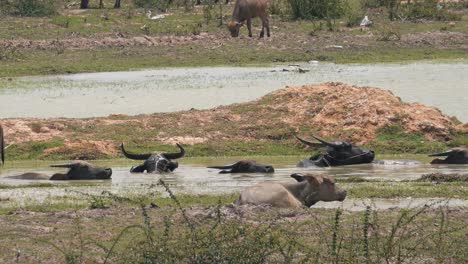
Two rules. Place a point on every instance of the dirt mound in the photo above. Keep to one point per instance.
(329, 110)
(337, 108)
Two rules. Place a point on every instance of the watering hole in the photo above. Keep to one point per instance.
(193, 177)
(443, 85)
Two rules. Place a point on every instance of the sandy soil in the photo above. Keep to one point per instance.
(279, 40)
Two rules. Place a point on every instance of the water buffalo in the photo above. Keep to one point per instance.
(454, 156)
(155, 161)
(337, 153)
(245, 166)
(2, 147)
(245, 10)
(308, 190)
(78, 170)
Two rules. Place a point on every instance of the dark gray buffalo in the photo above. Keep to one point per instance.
(453, 156)
(337, 153)
(308, 190)
(78, 170)
(245, 166)
(155, 161)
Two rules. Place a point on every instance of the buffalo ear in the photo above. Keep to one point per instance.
(298, 177)
(315, 180)
(328, 179)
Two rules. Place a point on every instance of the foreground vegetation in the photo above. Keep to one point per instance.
(165, 230)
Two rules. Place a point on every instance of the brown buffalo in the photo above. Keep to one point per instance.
(308, 190)
(78, 170)
(245, 10)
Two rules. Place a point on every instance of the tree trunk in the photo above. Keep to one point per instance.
(117, 4)
(101, 4)
(84, 4)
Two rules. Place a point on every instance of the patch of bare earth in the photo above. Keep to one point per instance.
(213, 40)
(330, 110)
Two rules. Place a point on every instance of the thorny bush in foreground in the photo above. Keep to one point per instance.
(248, 234)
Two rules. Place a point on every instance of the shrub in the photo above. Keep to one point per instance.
(33, 8)
(161, 5)
(313, 9)
(428, 9)
(280, 8)
(354, 13)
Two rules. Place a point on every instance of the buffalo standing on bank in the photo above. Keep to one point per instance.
(244, 11)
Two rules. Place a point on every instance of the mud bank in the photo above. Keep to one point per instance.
(330, 110)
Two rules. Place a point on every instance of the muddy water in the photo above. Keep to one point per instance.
(444, 85)
(193, 177)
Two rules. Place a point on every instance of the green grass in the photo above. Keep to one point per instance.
(40, 62)
(392, 139)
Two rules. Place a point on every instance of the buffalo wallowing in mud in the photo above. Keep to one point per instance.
(337, 153)
(308, 190)
(78, 170)
(244, 166)
(453, 156)
(155, 161)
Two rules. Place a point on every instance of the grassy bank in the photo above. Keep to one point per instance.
(39, 62)
(385, 143)
(114, 40)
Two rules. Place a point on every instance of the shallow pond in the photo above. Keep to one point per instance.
(444, 85)
(193, 177)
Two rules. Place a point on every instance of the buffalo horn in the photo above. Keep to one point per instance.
(175, 155)
(441, 154)
(326, 143)
(298, 177)
(311, 144)
(225, 167)
(65, 165)
(134, 156)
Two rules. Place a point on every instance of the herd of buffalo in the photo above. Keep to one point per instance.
(307, 190)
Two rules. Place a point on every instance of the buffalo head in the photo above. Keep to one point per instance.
(453, 156)
(319, 188)
(81, 170)
(155, 162)
(234, 27)
(337, 153)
